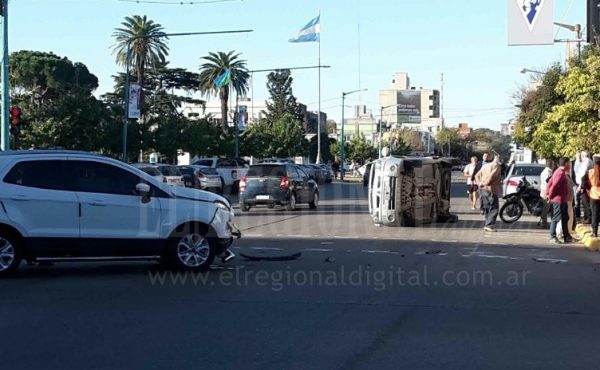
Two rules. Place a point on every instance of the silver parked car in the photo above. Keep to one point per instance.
(516, 171)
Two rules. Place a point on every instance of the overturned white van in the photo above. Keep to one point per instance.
(406, 191)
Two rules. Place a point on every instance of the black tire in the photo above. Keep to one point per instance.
(511, 212)
(189, 249)
(11, 253)
(244, 207)
(315, 202)
(291, 206)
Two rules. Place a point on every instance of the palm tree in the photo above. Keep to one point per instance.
(144, 50)
(215, 65)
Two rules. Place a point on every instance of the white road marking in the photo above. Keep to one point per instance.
(551, 260)
(317, 250)
(266, 248)
(382, 252)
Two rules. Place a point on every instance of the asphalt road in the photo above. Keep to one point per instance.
(354, 302)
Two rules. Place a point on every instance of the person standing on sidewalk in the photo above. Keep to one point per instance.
(470, 171)
(557, 194)
(594, 194)
(544, 178)
(489, 180)
(586, 165)
(576, 167)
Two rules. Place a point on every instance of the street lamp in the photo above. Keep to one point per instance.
(573, 28)
(343, 137)
(527, 70)
(128, 61)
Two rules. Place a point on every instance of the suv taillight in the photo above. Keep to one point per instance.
(512, 183)
(199, 174)
(243, 184)
(285, 183)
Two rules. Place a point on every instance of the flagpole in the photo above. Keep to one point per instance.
(318, 161)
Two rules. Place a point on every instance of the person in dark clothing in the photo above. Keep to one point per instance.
(558, 194)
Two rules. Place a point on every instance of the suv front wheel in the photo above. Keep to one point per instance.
(190, 250)
(10, 253)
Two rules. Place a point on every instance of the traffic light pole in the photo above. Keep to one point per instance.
(5, 136)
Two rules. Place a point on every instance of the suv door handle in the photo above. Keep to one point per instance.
(20, 198)
(98, 203)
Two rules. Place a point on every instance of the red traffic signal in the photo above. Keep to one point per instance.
(15, 116)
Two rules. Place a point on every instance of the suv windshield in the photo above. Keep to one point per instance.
(267, 170)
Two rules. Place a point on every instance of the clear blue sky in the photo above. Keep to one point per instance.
(464, 39)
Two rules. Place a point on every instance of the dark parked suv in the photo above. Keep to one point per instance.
(277, 184)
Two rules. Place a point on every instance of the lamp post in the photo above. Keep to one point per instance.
(527, 70)
(128, 61)
(573, 28)
(343, 138)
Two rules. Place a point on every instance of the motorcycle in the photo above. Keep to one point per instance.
(512, 209)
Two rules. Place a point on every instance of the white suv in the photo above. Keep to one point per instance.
(72, 205)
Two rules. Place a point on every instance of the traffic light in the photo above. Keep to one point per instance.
(15, 116)
(593, 21)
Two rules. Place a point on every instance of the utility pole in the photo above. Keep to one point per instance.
(5, 121)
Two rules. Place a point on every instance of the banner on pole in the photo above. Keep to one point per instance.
(135, 93)
(530, 22)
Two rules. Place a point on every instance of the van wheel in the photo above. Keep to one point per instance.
(315, 202)
(190, 250)
(10, 253)
(291, 206)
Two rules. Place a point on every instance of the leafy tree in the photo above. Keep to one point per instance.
(217, 63)
(144, 51)
(38, 78)
(59, 109)
(282, 138)
(283, 101)
(360, 149)
(535, 104)
(574, 124)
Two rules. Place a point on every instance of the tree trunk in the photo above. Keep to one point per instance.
(224, 95)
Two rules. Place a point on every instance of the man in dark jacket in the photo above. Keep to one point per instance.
(557, 193)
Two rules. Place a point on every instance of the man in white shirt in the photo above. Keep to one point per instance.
(581, 172)
(544, 178)
(470, 170)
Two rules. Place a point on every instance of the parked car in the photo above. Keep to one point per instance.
(277, 184)
(327, 172)
(516, 171)
(151, 170)
(320, 173)
(64, 205)
(172, 174)
(276, 160)
(230, 170)
(310, 171)
(202, 178)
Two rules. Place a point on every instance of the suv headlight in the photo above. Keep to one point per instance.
(224, 206)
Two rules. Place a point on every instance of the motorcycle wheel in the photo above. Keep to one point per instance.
(511, 212)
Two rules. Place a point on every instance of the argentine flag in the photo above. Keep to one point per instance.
(310, 32)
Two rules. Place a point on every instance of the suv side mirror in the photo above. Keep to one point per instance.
(143, 190)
